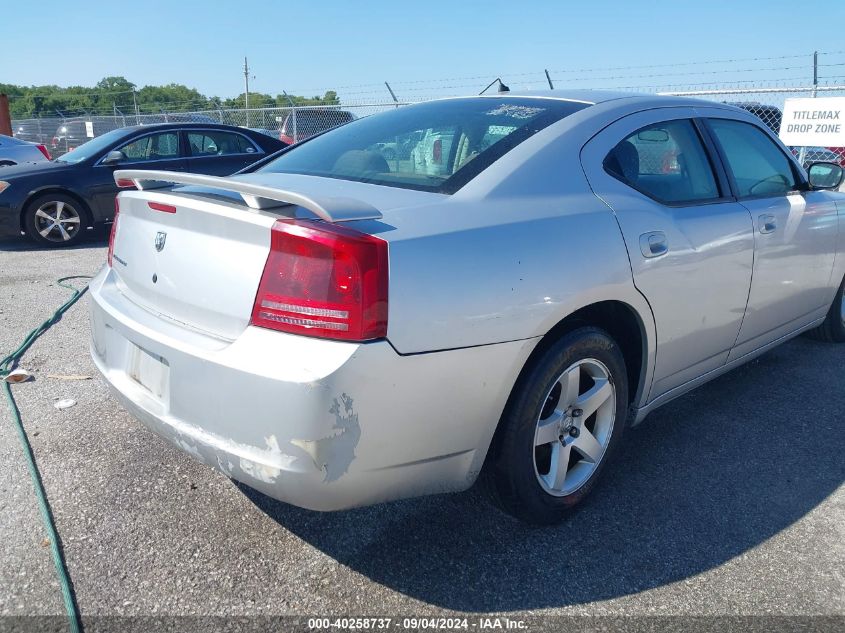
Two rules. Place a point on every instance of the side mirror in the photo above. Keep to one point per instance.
(825, 175)
(114, 157)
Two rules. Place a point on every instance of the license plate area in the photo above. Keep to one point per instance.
(149, 370)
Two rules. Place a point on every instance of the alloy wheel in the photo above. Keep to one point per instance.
(57, 221)
(574, 427)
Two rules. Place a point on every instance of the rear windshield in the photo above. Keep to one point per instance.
(438, 146)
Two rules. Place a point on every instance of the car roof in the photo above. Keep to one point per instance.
(584, 96)
(183, 124)
(596, 97)
(14, 141)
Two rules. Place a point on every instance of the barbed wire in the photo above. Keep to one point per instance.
(438, 87)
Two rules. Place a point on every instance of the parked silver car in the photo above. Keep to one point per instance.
(14, 151)
(335, 329)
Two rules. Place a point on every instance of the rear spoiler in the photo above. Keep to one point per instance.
(256, 196)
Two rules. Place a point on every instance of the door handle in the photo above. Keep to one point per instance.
(768, 224)
(654, 244)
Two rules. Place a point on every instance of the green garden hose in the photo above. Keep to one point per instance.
(6, 366)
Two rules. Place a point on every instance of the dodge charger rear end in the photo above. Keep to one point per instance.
(340, 327)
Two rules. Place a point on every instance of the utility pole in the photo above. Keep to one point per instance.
(246, 90)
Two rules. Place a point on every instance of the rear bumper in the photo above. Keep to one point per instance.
(319, 424)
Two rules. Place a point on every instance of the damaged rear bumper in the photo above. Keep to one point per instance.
(320, 424)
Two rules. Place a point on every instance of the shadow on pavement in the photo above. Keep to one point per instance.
(97, 237)
(704, 479)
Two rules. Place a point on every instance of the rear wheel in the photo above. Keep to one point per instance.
(833, 328)
(560, 428)
(54, 219)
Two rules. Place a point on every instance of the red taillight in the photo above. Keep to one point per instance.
(43, 150)
(125, 183)
(158, 206)
(284, 138)
(323, 280)
(113, 229)
(437, 152)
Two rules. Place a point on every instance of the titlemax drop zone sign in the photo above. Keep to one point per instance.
(814, 122)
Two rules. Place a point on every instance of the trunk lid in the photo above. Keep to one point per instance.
(196, 255)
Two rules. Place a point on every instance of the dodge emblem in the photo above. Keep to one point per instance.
(161, 236)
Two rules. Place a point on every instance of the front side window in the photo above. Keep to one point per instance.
(758, 165)
(437, 146)
(214, 143)
(152, 147)
(665, 161)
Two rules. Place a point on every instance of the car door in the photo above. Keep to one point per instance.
(690, 245)
(154, 150)
(795, 233)
(220, 152)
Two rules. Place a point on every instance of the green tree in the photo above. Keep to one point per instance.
(117, 91)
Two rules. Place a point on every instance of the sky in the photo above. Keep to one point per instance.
(421, 48)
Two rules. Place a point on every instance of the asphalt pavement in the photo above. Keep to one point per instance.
(728, 501)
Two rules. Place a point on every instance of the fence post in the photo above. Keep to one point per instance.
(137, 113)
(393, 96)
(802, 153)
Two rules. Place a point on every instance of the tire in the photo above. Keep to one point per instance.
(832, 330)
(521, 470)
(39, 220)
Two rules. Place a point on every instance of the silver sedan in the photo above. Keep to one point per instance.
(539, 272)
(14, 151)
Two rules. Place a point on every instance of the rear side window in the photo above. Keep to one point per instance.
(437, 146)
(214, 143)
(152, 147)
(666, 161)
(758, 165)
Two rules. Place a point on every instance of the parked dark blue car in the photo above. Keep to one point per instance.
(53, 202)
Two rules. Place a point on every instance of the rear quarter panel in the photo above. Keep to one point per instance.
(500, 269)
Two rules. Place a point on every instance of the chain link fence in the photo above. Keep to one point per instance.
(294, 124)
(62, 134)
(767, 104)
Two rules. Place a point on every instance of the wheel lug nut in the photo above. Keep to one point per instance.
(577, 413)
(574, 432)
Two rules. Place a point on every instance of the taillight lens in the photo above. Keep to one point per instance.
(113, 229)
(43, 150)
(323, 280)
(284, 138)
(125, 183)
